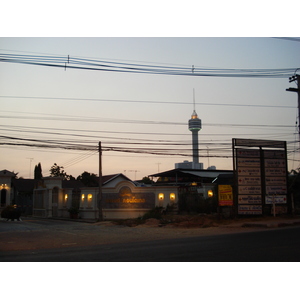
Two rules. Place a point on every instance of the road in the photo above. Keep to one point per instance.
(78, 242)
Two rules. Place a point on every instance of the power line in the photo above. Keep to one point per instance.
(149, 102)
(67, 62)
(144, 122)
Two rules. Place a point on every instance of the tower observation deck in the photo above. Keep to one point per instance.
(194, 127)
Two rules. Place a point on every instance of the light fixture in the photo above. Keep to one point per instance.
(161, 196)
(210, 193)
(172, 196)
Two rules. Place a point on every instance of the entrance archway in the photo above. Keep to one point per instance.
(3, 197)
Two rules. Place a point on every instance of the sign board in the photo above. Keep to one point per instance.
(250, 209)
(249, 199)
(259, 143)
(275, 199)
(261, 174)
(225, 195)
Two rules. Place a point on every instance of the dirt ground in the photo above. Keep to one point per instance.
(33, 233)
(197, 221)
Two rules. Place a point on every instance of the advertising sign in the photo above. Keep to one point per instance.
(248, 162)
(261, 175)
(225, 195)
(247, 171)
(259, 143)
(276, 199)
(249, 199)
(250, 209)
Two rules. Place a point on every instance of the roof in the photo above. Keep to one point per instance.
(24, 185)
(105, 180)
(195, 172)
(72, 184)
(184, 176)
(7, 173)
(227, 179)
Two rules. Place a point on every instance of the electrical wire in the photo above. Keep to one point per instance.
(149, 102)
(67, 62)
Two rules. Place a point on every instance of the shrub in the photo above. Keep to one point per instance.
(10, 213)
(73, 210)
(155, 213)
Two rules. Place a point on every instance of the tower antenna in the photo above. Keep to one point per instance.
(194, 99)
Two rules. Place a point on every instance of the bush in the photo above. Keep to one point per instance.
(155, 213)
(10, 213)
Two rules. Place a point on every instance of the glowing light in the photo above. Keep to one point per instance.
(161, 196)
(172, 196)
(4, 186)
(66, 197)
(90, 197)
(210, 193)
(82, 197)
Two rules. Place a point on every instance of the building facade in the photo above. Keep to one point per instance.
(121, 198)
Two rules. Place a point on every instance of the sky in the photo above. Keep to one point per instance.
(86, 107)
(42, 103)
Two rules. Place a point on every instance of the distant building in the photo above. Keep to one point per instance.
(189, 165)
(16, 191)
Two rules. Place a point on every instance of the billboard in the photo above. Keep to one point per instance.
(225, 195)
(261, 174)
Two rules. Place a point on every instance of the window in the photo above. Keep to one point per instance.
(65, 200)
(90, 199)
(161, 196)
(82, 200)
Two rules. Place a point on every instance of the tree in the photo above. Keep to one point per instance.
(38, 171)
(58, 171)
(147, 180)
(88, 179)
(294, 188)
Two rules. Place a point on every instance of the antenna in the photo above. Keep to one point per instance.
(194, 99)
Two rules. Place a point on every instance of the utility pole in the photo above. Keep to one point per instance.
(31, 159)
(100, 184)
(158, 166)
(297, 90)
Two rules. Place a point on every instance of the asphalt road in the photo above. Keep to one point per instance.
(271, 245)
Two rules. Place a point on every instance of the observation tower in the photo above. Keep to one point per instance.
(194, 127)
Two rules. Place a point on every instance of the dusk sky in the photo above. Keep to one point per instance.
(84, 107)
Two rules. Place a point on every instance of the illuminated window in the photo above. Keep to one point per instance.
(172, 196)
(89, 200)
(65, 200)
(161, 196)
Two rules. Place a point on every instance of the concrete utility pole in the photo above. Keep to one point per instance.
(100, 184)
(297, 90)
(31, 159)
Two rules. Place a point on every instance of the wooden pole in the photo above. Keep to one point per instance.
(100, 184)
